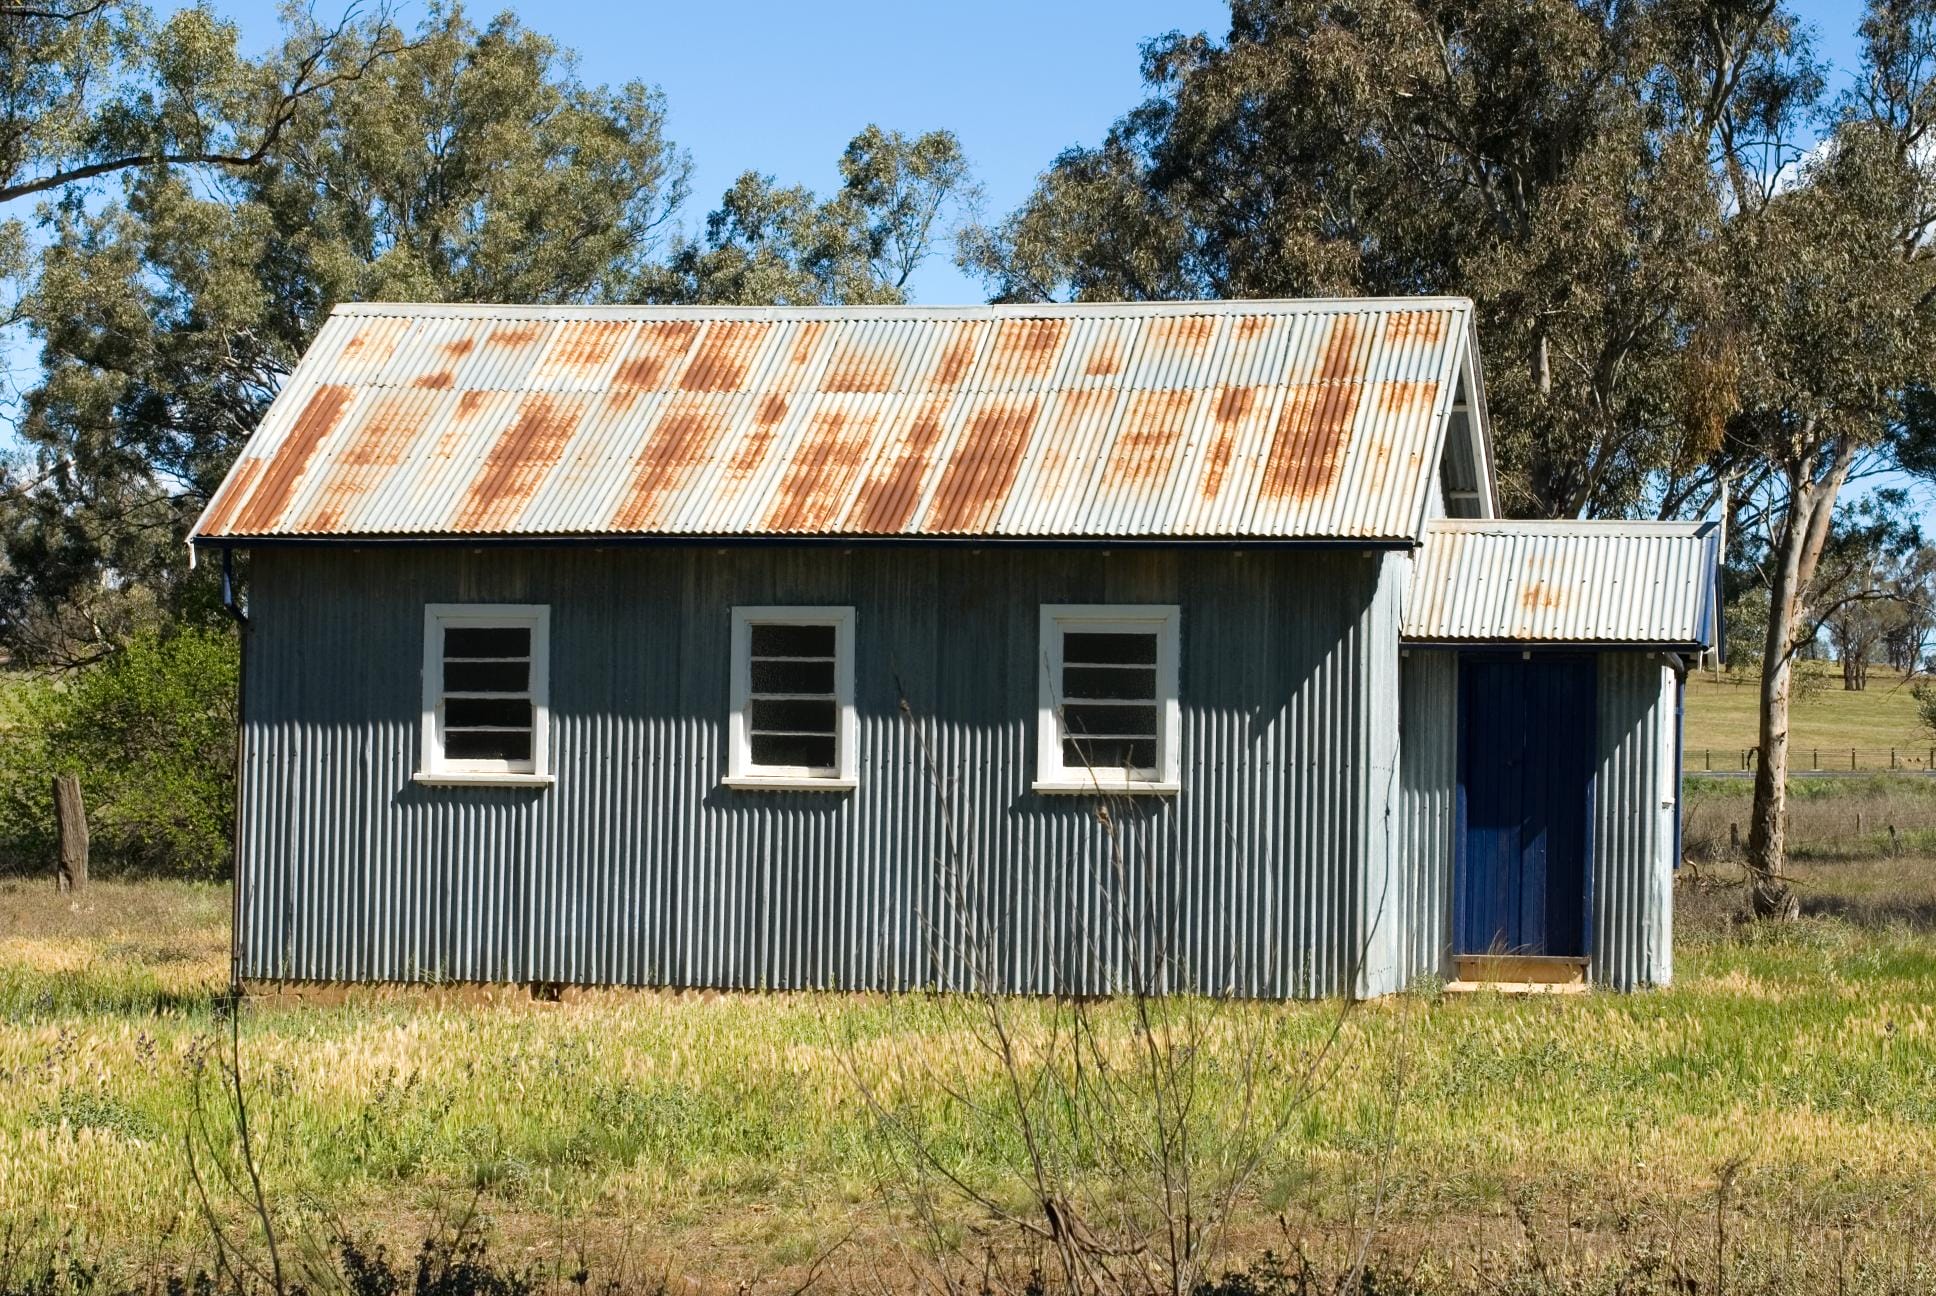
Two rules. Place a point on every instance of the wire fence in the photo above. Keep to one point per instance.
(1813, 760)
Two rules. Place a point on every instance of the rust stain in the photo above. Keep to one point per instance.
(751, 450)
(519, 459)
(373, 445)
(439, 381)
(855, 369)
(822, 469)
(803, 344)
(1025, 349)
(1396, 398)
(1184, 335)
(1146, 446)
(1420, 328)
(222, 509)
(319, 417)
(982, 468)
(1314, 428)
(581, 347)
(1537, 596)
(675, 449)
(893, 487)
(957, 357)
(1249, 327)
(1081, 415)
(655, 350)
(458, 348)
(511, 336)
(725, 354)
(1234, 405)
(1107, 358)
(470, 402)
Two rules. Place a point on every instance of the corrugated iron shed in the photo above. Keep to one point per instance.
(1641, 583)
(1269, 420)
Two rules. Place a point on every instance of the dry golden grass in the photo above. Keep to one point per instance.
(723, 1136)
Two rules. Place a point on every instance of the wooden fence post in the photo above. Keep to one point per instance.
(70, 831)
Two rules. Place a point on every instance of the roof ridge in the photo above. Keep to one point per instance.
(968, 310)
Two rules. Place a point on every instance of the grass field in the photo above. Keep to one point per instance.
(1825, 717)
(721, 1138)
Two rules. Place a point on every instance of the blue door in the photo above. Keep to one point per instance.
(1526, 743)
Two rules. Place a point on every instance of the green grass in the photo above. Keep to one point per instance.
(722, 1134)
(1721, 717)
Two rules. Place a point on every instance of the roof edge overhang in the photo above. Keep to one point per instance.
(503, 540)
(971, 310)
(1551, 645)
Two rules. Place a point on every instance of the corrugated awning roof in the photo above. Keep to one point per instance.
(1310, 419)
(1641, 583)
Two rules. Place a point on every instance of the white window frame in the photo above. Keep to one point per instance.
(741, 771)
(433, 765)
(1051, 774)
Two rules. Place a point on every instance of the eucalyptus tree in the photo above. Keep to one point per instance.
(1701, 281)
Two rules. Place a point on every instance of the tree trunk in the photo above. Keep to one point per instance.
(1769, 893)
(1798, 547)
(70, 831)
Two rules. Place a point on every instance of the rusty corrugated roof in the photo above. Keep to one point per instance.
(1318, 419)
(1650, 583)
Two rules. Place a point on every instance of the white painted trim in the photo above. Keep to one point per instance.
(776, 783)
(432, 767)
(1106, 787)
(741, 772)
(1051, 775)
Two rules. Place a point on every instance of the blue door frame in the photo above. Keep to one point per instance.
(1524, 851)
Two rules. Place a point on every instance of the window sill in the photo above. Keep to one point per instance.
(783, 783)
(1093, 787)
(457, 778)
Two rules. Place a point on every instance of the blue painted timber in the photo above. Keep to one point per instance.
(1527, 737)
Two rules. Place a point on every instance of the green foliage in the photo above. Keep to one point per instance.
(151, 733)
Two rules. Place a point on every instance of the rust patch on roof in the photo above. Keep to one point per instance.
(658, 346)
(1106, 357)
(468, 403)
(1538, 595)
(290, 460)
(1232, 407)
(373, 444)
(221, 510)
(725, 354)
(822, 469)
(581, 347)
(957, 355)
(519, 459)
(1183, 337)
(893, 487)
(1397, 397)
(1415, 328)
(1314, 427)
(438, 381)
(511, 336)
(666, 461)
(1081, 418)
(983, 466)
(370, 335)
(1152, 433)
(458, 348)
(1251, 327)
(1025, 349)
(857, 369)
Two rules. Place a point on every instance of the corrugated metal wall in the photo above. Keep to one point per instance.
(637, 867)
(1633, 864)
(1428, 809)
(1634, 814)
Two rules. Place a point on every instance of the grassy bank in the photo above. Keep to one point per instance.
(722, 1135)
(1825, 718)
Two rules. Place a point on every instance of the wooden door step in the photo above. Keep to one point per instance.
(1519, 974)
